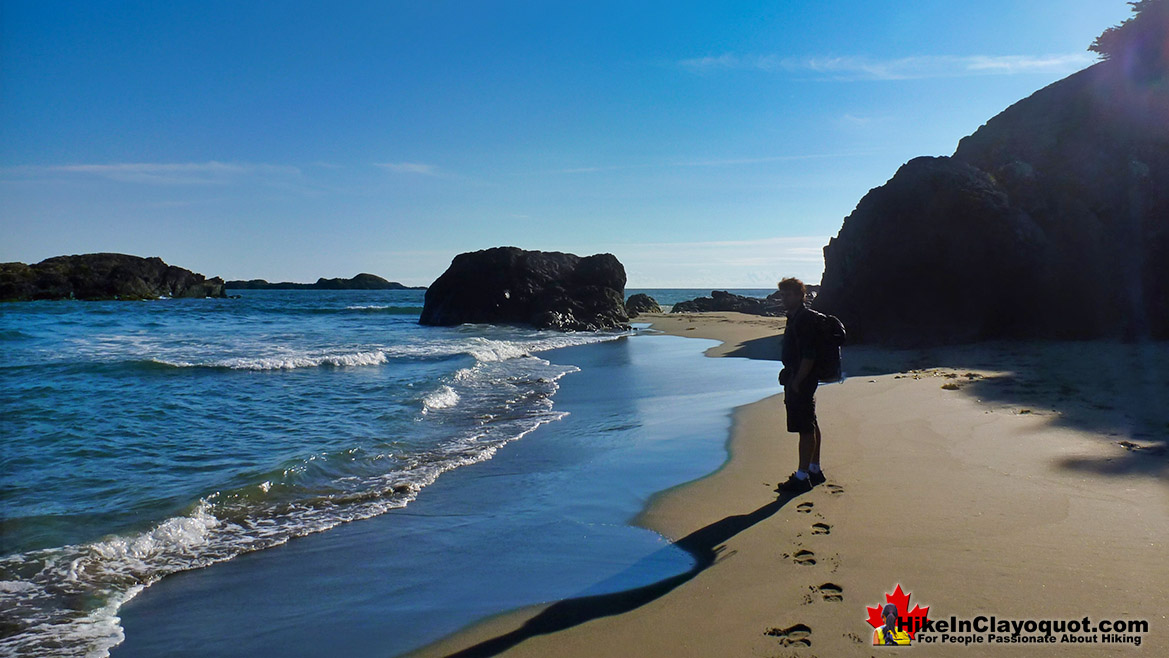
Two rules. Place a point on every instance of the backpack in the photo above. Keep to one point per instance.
(830, 336)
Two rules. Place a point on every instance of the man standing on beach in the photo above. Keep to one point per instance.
(799, 385)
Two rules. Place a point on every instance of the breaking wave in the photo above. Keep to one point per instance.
(64, 600)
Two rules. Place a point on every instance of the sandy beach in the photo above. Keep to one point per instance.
(1024, 480)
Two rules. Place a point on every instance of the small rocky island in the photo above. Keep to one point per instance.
(721, 300)
(362, 281)
(96, 277)
(641, 303)
(545, 289)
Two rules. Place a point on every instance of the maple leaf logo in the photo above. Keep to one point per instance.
(908, 620)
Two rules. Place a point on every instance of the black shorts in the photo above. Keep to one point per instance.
(801, 407)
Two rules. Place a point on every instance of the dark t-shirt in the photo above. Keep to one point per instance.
(799, 338)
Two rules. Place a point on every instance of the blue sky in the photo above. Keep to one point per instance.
(705, 144)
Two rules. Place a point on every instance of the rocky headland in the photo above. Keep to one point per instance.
(362, 281)
(103, 276)
(544, 289)
(1049, 221)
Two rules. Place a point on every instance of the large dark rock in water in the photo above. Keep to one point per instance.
(546, 289)
(1052, 220)
(362, 281)
(102, 277)
(641, 303)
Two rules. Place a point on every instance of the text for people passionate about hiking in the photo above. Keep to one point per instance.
(917, 626)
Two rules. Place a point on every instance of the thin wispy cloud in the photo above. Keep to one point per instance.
(746, 263)
(730, 162)
(593, 170)
(161, 173)
(859, 119)
(597, 169)
(903, 68)
(801, 248)
(410, 168)
(712, 162)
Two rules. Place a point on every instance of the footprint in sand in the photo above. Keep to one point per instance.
(832, 592)
(821, 529)
(1134, 447)
(834, 489)
(804, 508)
(804, 557)
(799, 635)
(801, 556)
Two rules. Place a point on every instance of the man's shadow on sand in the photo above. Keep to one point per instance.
(704, 544)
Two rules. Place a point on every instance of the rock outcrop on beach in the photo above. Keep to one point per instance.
(102, 277)
(362, 281)
(1051, 221)
(641, 303)
(546, 289)
(721, 300)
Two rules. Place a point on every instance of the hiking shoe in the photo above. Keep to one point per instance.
(816, 478)
(795, 485)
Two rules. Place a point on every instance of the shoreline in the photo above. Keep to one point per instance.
(991, 481)
(628, 424)
(739, 335)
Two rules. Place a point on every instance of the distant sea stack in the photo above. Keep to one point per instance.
(1050, 221)
(362, 281)
(97, 277)
(641, 303)
(545, 289)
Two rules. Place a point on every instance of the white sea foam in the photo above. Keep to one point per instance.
(182, 534)
(502, 396)
(508, 343)
(489, 350)
(305, 361)
(443, 398)
(506, 401)
(484, 350)
(286, 361)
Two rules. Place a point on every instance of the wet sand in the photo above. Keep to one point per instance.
(1025, 480)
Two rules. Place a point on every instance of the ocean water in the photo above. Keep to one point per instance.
(153, 439)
